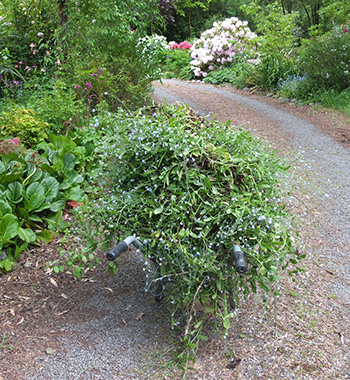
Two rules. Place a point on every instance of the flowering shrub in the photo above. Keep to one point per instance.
(178, 60)
(325, 60)
(229, 41)
(153, 51)
(184, 45)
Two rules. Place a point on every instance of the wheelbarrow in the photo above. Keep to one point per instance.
(237, 258)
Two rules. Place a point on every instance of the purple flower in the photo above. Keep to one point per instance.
(88, 85)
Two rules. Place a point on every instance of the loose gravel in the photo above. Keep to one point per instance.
(108, 327)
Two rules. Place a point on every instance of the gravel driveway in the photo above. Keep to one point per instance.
(106, 327)
(325, 163)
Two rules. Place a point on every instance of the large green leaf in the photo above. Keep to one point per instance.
(8, 227)
(45, 235)
(5, 208)
(22, 212)
(51, 186)
(34, 172)
(34, 196)
(26, 234)
(58, 205)
(75, 194)
(2, 167)
(49, 169)
(68, 163)
(62, 142)
(14, 192)
(71, 178)
(8, 178)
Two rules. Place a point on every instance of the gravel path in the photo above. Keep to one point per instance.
(106, 327)
(326, 165)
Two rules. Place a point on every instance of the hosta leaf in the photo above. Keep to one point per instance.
(35, 218)
(68, 163)
(26, 234)
(2, 167)
(51, 186)
(8, 227)
(34, 196)
(14, 192)
(75, 194)
(5, 208)
(58, 205)
(45, 235)
(62, 142)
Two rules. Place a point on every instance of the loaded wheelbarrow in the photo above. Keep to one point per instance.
(237, 259)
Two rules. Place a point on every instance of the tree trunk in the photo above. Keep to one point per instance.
(62, 22)
(62, 12)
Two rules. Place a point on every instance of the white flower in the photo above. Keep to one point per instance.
(40, 34)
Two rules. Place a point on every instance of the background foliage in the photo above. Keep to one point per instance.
(73, 76)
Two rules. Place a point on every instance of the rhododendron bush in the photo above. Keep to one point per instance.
(227, 42)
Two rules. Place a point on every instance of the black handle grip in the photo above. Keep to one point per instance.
(238, 257)
(117, 251)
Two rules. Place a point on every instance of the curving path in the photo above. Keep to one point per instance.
(325, 163)
(106, 328)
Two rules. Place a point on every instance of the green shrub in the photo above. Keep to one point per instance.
(295, 86)
(273, 68)
(276, 43)
(24, 124)
(238, 75)
(122, 84)
(189, 189)
(58, 106)
(177, 64)
(325, 60)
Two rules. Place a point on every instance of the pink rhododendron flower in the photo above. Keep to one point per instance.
(184, 45)
(226, 41)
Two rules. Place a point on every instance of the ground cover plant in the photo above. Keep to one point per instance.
(190, 190)
(35, 186)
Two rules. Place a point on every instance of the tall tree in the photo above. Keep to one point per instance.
(185, 6)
